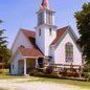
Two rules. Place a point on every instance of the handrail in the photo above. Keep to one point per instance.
(66, 65)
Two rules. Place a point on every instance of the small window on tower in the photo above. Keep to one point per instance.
(39, 32)
(50, 31)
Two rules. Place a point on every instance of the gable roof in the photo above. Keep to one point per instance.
(30, 52)
(59, 33)
(28, 33)
(31, 37)
(35, 51)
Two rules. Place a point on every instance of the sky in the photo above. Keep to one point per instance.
(18, 14)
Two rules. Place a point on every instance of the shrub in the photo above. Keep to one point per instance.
(86, 72)
(86, 75)
(49, 70)
(69, 72)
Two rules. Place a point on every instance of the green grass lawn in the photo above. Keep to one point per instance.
(2, 89)
(82, 84)
(5, 74)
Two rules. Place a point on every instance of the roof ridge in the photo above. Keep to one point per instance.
(63, 27)
(28, 33)
(59, 33)
(22, 29)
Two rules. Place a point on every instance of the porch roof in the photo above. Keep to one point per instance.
(30, 52)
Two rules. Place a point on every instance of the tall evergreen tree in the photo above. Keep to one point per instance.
(4, 51)
(83, 25)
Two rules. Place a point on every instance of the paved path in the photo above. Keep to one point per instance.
(23, 84)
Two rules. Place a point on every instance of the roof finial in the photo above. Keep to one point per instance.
(44, 4)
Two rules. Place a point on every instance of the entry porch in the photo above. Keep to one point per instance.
(26, 65)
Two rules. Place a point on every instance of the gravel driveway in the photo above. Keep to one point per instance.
(23, 84)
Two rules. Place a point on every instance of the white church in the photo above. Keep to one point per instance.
(47, 45)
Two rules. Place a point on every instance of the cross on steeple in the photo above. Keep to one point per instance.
(44, 4)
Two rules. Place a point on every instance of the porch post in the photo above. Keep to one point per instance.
(25, 67)
(36, 65)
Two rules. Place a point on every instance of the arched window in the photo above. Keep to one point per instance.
(69, 52)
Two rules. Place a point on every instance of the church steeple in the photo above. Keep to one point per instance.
(45, 15)
(46, 28)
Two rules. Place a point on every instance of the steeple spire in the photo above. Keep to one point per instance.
(45, 14)
(44, 4)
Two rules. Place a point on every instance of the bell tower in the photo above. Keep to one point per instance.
(45, 29)
(45, 15)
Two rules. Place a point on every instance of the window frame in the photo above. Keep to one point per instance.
(69, 52)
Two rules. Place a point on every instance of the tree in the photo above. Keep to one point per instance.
(4, 51)
(83, 25)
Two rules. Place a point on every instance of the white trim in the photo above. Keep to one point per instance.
(73, 36)
(17, 51)
(47, 25)
(25, 67)
(36, 65)
(31, 57)
(45, 11)
(15, 39)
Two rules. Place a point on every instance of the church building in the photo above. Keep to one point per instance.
(46, 45)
